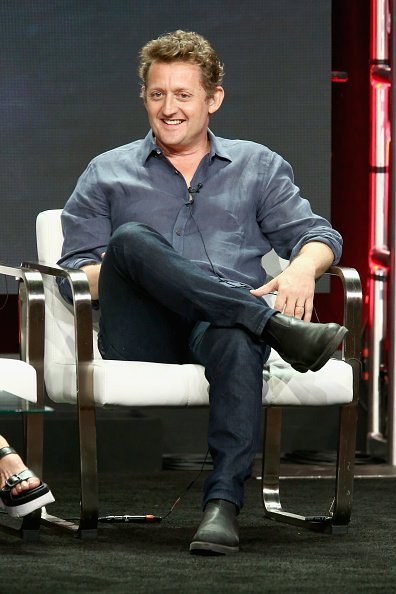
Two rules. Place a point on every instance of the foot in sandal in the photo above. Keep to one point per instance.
(21, 491)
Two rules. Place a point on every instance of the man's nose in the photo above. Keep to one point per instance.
(169, 106)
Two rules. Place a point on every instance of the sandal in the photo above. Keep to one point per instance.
(26, 502)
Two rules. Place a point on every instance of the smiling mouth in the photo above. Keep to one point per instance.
(173, 122)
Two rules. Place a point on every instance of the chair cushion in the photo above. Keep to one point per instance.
(18, 378)
(132, 383)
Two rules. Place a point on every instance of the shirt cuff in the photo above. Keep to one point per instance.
(63, 283)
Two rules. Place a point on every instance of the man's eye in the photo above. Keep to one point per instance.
(184, 96)
(156, 95)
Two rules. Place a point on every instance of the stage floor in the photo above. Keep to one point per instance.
(327, 471)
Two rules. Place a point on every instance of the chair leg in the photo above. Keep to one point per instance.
(270, 479)
(345, 468)
(271, 461)
(89, 505)
(34, 437)
(89, 473)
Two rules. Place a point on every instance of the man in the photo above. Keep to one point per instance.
(170, 231)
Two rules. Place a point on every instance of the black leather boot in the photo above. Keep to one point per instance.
(217, 533)
(306, 346)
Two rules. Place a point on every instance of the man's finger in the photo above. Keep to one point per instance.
(299, 311)
(265, 289)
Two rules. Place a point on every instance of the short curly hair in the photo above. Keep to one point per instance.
(183, 46)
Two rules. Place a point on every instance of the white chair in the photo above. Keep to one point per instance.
(18, 382)
(76, 373)
(22, 380)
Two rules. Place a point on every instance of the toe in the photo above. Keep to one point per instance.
(31, 483)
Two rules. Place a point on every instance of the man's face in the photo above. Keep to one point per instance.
(177, 106)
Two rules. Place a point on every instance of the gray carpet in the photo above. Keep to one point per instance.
(154, 558)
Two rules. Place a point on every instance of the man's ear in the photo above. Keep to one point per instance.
(143, 93)
(216, 99)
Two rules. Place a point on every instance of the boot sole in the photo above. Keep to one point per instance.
(208, 548)
(326, 354)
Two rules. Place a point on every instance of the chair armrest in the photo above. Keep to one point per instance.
(82, 305)
(82, 309)
(31, 293)
(352, 309)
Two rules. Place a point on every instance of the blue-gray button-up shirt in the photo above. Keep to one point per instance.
(247, 204)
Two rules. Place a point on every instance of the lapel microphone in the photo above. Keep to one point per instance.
(191, 191)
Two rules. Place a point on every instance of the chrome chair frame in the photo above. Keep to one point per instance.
(32, 311)
(338, 518)
(86, 408)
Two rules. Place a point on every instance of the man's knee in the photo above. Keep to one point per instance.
(129, 233)
(136, 239)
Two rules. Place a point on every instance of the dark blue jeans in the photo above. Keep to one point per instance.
(158, 306)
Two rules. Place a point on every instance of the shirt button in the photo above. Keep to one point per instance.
(159, 152)
(179, 232)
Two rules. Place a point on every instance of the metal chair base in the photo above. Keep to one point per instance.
(337, 519)
(84, 530)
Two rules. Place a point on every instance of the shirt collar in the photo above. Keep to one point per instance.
(149, 147)
(217, 148)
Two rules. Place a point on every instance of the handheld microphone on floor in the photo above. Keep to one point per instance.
(150, 518)
(146, 519)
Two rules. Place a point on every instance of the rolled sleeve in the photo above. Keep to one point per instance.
(86, 221)
(287, 219)
(63, 283)
(330, 237)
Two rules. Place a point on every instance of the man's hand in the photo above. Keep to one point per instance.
(92, 271)
(295, 286)
(295, 289)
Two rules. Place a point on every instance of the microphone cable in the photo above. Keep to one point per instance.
(190, 203)
(151, 518)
